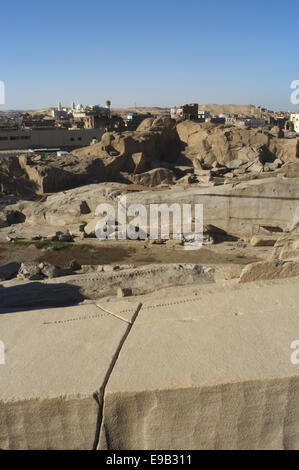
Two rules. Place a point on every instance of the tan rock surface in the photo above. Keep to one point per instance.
(264, 240)
(265, 270)
(239, 208)
(235, 208)
(208, 375)
(55, 361)
(286, 247)
(214, 143)
(68, 290)
(190, 373)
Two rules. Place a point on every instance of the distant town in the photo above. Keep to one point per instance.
(66, 128)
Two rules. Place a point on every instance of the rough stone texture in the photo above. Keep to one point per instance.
(13, 178)
(54, 174)
(263, 240)
(154, 177)
(50, 271)
(294, 224)
(233, 208)
(157, 143)
(30, 271)
(156, 140)
(228, 271)
(237, 209)
(265, 270)
(142, 279)
(286, 247)
(90, 228)
(211, 143)
(68, 290)
(64, 208)
(123, 292)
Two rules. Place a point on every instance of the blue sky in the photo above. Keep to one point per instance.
(155, 53)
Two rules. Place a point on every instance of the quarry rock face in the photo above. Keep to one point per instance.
(129, 151)
(286, 247)
(13, 179)
(154, 177)
(59, 173)
(211, 143)
(266, 270)
(263, 240)
(157, 143)
(173, 350)
(67, 290)
(236, 209)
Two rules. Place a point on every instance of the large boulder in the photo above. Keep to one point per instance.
(13, 178)
(212, 143)
(286, 247)
(154, 177)
(266, 270)
(60, 173)
(155, 139)
(30, 271)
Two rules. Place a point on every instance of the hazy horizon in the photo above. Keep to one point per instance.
(68, 105)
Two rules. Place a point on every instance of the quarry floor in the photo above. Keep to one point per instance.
(91, 251)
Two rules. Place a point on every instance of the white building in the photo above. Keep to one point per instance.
(203, 115)
(230, 121)
(295, 120)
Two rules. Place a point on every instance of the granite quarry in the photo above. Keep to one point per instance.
(139, 344)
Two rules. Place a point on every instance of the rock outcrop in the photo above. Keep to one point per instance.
(97, 284)
(215, 153)
(154, 177)
(236, 209)
(208, 143)
(13, 178)
(267, 270)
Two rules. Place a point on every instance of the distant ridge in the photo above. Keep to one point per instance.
(229, 108)
(212, 108)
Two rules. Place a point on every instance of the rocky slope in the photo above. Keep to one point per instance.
(158, 152)
(208, 143)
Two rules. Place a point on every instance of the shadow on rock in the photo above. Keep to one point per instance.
(38, 295)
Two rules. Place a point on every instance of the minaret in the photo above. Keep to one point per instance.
(108, 106)
(59, 106)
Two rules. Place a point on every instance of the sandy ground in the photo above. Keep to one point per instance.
(129, 252)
